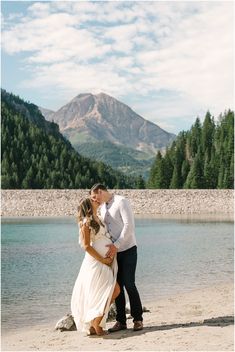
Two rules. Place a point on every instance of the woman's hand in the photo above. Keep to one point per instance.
(112, 250)
(108, 261)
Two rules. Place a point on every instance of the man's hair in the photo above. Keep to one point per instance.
(98, 186)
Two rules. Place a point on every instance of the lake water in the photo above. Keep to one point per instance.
(41, 259)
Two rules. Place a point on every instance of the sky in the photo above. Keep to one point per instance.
(170, 61)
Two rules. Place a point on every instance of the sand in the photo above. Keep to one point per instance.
(201, 320)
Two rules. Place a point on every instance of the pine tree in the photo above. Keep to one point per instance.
(156, 179)
(176, 181)
(195, 176)
(167, 169)
(140, 184)
(195, 138)
(184, 171)
(208, 130)
(231, 173)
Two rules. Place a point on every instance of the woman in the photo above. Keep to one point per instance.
(96, 287)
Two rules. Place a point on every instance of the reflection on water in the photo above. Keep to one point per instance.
(41, 259)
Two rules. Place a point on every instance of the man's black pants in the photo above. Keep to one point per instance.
(127, 261)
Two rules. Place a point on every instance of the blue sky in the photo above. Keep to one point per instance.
(170, 61)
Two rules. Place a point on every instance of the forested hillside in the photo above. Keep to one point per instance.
(35, 155)
(127, 160)
(202, 157)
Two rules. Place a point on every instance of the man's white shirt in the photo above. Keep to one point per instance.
(119, 219)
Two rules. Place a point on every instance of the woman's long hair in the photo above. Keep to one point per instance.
(85, 211)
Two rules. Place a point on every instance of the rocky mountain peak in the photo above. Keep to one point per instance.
(100, 117)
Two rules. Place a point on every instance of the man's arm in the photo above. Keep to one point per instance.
(128, 222)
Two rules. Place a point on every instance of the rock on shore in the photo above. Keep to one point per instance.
(52, 203)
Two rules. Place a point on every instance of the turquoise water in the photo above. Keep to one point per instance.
(41, 259)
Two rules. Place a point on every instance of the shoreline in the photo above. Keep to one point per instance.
(147, 304)
(148, 203)
(196, 320)
(229, 217)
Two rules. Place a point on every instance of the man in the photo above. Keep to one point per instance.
(118, 217)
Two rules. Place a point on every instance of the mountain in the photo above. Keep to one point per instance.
(47, 113)
(101, 117)
(36, 155)
(90, 120)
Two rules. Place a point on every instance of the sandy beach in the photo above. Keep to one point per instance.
(201, 320)
(50, 203)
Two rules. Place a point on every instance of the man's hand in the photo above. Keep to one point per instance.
(112, 250)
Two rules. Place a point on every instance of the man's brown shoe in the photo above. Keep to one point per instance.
(138, 325)
(117, 327)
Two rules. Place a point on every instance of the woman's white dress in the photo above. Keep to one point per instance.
(95, 284)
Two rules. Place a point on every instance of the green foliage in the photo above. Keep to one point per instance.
(156, 179)
(127, 160)
(36, 156)
(202, 157)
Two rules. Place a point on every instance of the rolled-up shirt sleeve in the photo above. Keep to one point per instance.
(128, 223)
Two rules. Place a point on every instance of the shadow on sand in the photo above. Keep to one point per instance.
(219, 321)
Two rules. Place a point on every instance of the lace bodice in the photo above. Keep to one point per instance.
(103, 232)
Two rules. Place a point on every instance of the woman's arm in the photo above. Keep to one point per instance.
(89, 249)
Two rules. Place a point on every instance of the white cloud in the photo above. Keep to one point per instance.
(125, 48)
(198, 60)
(72, 77)
(39, 9)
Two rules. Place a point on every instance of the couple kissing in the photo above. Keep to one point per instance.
(109, 265)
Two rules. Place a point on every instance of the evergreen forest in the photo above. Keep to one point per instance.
(202, 157)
